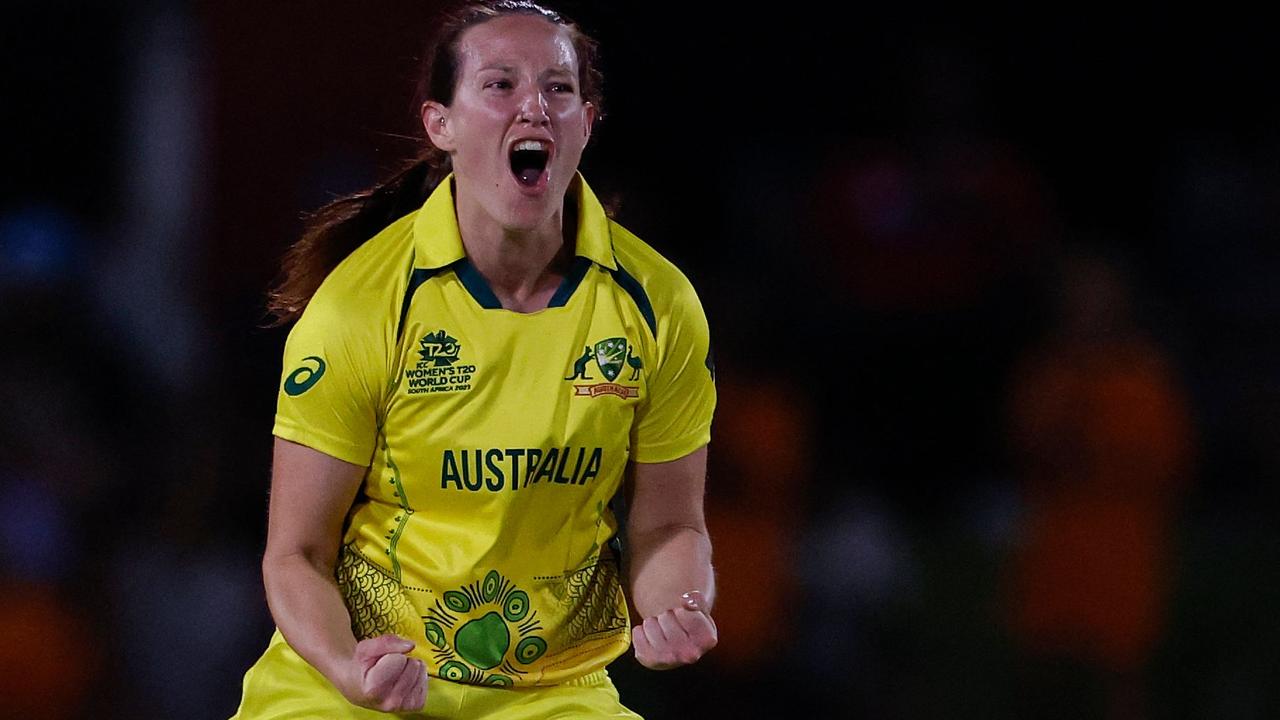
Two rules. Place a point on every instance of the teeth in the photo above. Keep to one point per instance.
(531, 145)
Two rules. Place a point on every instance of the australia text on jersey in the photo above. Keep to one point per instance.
(494, 469)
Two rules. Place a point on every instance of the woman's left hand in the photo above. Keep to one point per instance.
(679, 636)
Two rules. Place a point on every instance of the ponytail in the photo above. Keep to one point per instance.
(334, 231)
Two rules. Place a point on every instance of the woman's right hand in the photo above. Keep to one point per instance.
(383, 677)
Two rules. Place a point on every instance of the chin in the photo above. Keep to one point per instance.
(524, 215)
(530, 208)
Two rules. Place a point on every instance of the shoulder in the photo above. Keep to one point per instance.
(666, 286)
(371, 279)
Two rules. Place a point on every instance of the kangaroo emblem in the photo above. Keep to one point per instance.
(634, 362)
(580, 366)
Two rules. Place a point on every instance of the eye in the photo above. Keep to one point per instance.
(498, 85)
(562, 88)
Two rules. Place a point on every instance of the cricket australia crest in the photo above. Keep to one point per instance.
(612, 356)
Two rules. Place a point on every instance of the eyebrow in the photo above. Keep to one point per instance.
(510, 69)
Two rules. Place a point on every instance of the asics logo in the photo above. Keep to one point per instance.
(302, 379)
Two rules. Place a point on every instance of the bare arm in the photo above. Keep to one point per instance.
(310, 495)
(672, 581)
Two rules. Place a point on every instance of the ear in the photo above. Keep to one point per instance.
(588, 119)
(435, 120)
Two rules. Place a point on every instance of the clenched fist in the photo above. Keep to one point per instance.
(383, 677)
(679, 636)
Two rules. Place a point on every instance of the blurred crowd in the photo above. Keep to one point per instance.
(999, 422)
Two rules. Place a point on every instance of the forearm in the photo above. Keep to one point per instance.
(308, 608)
(667, 562)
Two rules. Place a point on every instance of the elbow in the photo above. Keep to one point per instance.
(273, 567)
(279, 561)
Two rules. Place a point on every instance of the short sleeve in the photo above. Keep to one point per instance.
(675, 419)
(332, 383)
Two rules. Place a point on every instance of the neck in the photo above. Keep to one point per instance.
(522, 267)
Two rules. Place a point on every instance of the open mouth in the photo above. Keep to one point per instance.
(529, 161)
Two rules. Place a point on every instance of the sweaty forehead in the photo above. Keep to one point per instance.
(518, 42)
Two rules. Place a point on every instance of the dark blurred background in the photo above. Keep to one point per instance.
(992, 293)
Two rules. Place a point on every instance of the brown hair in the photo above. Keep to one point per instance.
(335, 230)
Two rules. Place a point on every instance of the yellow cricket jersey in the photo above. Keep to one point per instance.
(495, 440)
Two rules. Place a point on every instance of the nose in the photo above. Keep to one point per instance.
(533, 108)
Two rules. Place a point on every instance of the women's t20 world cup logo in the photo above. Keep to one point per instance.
(438, 370)
(612, 356)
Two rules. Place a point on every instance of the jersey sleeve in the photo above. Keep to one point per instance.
(675, 419)
(332, 382)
